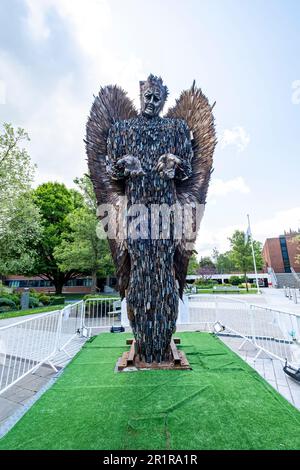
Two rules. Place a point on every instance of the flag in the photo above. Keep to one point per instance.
(247, 234)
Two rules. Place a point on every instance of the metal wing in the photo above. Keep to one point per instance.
(110, 105)
(194, 108)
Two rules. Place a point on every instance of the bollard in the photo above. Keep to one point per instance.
(25, 299)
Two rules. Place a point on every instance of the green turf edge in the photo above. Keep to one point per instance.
(139, 431)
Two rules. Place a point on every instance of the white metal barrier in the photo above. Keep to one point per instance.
(274, 331)
(101, 313)
(27, 344)
(71, 324)
(292, 293)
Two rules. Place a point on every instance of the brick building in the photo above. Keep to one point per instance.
(74, 286)
(80, 285)
(280, 253)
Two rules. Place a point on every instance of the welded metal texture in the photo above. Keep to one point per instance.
(153, 161)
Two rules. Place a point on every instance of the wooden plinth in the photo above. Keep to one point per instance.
(129, 359)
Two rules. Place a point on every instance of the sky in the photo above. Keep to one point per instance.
(244, 54)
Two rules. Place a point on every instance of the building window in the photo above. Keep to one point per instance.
(285, 255)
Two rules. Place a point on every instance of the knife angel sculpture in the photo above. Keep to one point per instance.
(151, 171)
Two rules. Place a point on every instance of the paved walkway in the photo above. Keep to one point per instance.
(270, 297)
(16, 400)
(270, 369)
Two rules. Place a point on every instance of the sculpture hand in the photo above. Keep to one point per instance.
(167, 165)
(131, 165)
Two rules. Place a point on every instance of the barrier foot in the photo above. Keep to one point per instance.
(257, 355)
(52, 366)
(243, 343)
(66, 353)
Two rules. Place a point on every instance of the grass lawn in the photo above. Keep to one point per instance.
(31, 311)
(221, 404)
(212, 291)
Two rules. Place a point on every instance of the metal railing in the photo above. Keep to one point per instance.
(272, 274)
(292, 293)
(101, 313)
(70, 324)
(273, 331)
(296, 276)
(27, 344)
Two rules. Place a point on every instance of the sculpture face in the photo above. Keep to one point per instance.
(151, 102)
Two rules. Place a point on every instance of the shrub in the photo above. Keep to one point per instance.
(244, 285)
(235, 280)
(7, 304)
(34, 293)
(207, 283)
(5, 308)
(33, 302)
(14, 297)
(57, 300)
(45, 299)
(4, 290)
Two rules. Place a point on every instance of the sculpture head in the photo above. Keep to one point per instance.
(153, 96)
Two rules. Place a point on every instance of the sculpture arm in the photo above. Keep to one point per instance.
(177, 165)
(119, 164)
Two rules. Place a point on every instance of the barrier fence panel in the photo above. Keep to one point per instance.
(102, 313)
(71, 324)
(273, 331)
(277, 333)
(25, 345)
(201, 312)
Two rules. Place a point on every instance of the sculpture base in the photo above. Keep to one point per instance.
(129, 361)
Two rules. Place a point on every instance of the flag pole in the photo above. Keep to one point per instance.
(253, 255)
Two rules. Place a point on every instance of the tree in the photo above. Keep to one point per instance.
(85, 186)
(297, 241)
(20, 237)
(82, 249)
(225, 263)
(55, 202)
(193, 265)
(241, 253)
(16, 170)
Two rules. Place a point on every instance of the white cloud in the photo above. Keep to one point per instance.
(55, 114)
(270, 227)
(277, 224)
(36, 20)
(237, 136)
(88, 25)
(220, 188)
(56, 128)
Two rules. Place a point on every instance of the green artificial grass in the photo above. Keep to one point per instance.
(221, 404)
